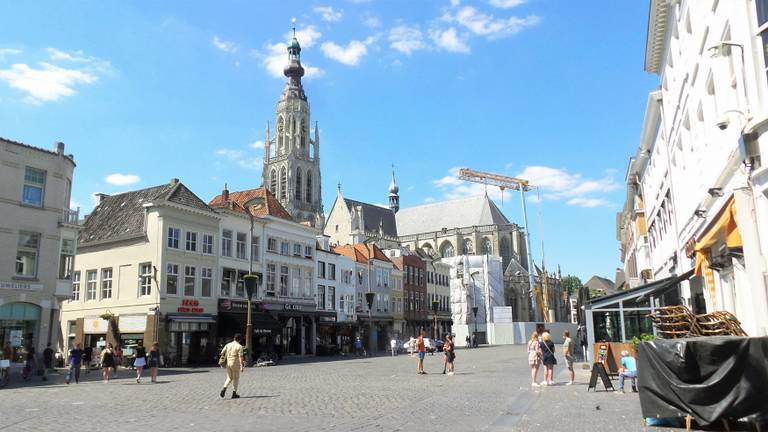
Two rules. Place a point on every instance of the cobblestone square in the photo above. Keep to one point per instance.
(489, 392)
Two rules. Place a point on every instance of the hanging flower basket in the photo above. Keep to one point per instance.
(107, 316)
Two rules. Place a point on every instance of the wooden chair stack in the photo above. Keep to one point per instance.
(673, 322)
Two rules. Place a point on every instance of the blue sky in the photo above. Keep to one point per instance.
(552, 91)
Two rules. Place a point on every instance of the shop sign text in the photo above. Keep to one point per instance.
(190, 306)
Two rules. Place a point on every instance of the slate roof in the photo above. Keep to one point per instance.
(374, 215)
(236, 201)
(359, 252)
(119, 217)
(458, 213)
(598, 282)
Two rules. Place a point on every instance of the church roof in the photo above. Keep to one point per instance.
(458, 213)
(373, 216)
(236, 201)
(121, 217)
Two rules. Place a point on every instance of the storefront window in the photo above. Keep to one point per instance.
(637, 323)
(607, 326)
(18, 323)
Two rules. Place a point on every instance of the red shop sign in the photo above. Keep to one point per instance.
(190, 306)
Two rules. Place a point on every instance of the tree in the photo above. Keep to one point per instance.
(572, 284)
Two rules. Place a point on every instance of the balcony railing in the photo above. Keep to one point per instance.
(70, 217)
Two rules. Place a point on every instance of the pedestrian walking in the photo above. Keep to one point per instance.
(467, 340)
(422, 352)
(393, 347)
(232, 359)
(30, 364)
(358, 347)
(75, 359)
(548, 358)
(118, 359)
(87, 358)
(141, 360)
(411, 346)
(568, 355)
(154, 360)
(450, 354)
(47, 360)
(534, 357)
(107, 362)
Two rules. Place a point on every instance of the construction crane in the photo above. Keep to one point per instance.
(539, 301)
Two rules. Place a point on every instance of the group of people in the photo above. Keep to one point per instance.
(541, 350)
(449, 354)
(110, 358)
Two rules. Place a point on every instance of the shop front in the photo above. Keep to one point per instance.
(327, 330)
(298, 326)
(95, 332)
(191, 334)
(19, 325)
(233, 318)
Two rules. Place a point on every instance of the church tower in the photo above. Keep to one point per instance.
(291, 156)
(394, 198)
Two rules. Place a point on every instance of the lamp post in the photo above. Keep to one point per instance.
(435, 305)
(251, 280)
(369, 296)
(473, 338)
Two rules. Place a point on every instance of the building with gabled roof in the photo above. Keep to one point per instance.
(351, 221)
(146, 271)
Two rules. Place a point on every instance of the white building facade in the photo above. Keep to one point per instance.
(38, 233)
(699, 167)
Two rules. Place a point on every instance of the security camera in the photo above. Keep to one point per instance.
(723, 121)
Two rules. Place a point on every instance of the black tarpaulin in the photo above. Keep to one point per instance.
(711, 378)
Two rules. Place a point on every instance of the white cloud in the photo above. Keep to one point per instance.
(328, 13)
(487, 25)
(46, 84)
(588, 202)
(554, 184)
(8, 51)
(406, 39)
(241, 158)
(118, 179)
(349, 55)
(449, 40)
(506, 4)
(275, 56)
(429, 199)
(223, 45)
(371, 21)
(259, 144)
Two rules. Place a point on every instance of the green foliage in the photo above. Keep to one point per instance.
(571, 283)
(643, 337)
(596, 292)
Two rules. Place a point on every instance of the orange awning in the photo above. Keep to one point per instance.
(725, 225)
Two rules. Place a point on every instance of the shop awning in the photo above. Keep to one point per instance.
(726, 226)
(192, 318)
(654, 288)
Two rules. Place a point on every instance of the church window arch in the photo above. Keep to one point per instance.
(427, 247)
(280, 136)
(298, 184)
(273, 181)
(283, 183)
(468, 247)
(506, 252)
(302, 137)
(308, 193)
(447, 250)
(487, 246)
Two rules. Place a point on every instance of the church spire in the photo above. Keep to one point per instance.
(394, 198)
(293, 70)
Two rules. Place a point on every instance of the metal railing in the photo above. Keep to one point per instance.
(70, 216)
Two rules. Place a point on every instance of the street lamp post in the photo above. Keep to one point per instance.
(250, 281)
(435, 305)
(474, 332)
(369, 296)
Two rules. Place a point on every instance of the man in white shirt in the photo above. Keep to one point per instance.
(393, 346)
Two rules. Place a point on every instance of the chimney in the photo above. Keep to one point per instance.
(101, 196)
(174, 181)
(225, 193)
(59, 148)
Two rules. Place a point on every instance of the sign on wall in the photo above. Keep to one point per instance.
(502, 314)
(190, 306)
(94, 325)
(132, 323)
(22, 286)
